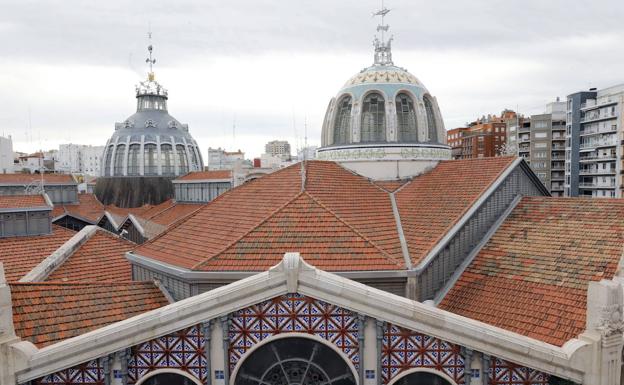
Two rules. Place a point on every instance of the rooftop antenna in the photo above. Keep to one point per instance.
(383, 48)
(303, 163)
(150, 60)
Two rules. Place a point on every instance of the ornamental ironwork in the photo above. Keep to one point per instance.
(91, 372)
(503, 372)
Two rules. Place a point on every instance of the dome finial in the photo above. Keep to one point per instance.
(151, 61)
(383, 48)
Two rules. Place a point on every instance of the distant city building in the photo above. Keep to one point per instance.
(219, 159)
(6, 155)
(593, 128)
(307, 153)
(483, 138)
(79, 159)
(278, 148)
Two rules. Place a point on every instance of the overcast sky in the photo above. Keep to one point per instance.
(266, 66)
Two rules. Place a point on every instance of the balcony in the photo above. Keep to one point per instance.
(596, 185)
(599, 143)
(595, 117)
(595, 171)
(593, 131)
(593, 103)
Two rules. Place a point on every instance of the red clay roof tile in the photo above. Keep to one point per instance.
(532, 276)
(45, 313)
(23, 201)
(206, 175)
(24, 179)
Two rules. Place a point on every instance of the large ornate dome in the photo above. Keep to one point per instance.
(383, 113)
(146, 151)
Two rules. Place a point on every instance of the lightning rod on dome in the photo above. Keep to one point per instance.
(151, 61)
(383, 48)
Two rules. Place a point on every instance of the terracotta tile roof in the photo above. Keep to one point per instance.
(205, 175)
(532, 276)
(23, 201)
(22, 254)
(174, 213)
(24, 179)
(432, 203)
(429, 206)
(391, 185)
(45, 313)
(88, 207)
(100, 258)
(153, 210)
(327, 242)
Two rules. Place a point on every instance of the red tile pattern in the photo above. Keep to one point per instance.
(21, 254)
(91, 372)
(206, 175)
(432, 203)
(24, 179)
(404, 349)
(506, 373)
(327, 243)
(22, 201)
(182, 350)
(45, 313)
(88, 207)
(390, 186)
(538, 264)
(337, 224)
(100, 258)
(293, 313)
(174, 213)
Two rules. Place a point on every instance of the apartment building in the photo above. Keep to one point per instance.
(79, 158)
(594, 137)
(485, 137)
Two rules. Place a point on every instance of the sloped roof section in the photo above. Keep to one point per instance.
(45, 313)
(88, 207)
(23, 202)
(206, 175)
(100, 258)
(532, 276)
(234, 224)
(24, 179)
(432, 203)
(328, 242)
(22, 254)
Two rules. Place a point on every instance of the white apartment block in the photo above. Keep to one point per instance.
(79, 159)
(6, 155)
(594, 137)
(279, 148)
(219, 159)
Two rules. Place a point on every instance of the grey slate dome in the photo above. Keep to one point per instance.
(151, 142)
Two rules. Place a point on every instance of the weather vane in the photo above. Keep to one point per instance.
(383, 53)
(151, 61)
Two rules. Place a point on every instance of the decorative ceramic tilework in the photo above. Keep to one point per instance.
(182, 350)
(507, 373)
(91, 372)
(293, 313)
(404, 349)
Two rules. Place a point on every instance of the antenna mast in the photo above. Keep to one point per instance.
(151, 61)
(383, 48)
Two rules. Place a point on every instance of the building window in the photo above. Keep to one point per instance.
(133, 159)
(342, 124)
(540, 135)
(107, 162)
(166, 156)
(181, 158)
(431, 123)
(373, 127)
(406, 119)
(119, 158)
(149, 159)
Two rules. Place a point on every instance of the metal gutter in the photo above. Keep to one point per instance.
(397, 219)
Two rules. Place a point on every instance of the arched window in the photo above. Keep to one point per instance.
(294, 360)
(342, 123)
(133, 159)
(422, 378)
(107, 161)
(431, 123)
(194, 163)
(119, 158)
(168, 379)
(149, 159)
(181, 158)
(373, 128)
(406, 118)
(166, 159)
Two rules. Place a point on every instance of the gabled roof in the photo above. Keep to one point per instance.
(24, 179)
(88, 209)
(21, 254)
(205, 175)
(45, 313)
(532, 275)
(428, 207)
(12, 202)
(100, 258)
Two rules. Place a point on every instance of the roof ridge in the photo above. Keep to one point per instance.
(218, 198)
(365, 238)
(263, 221)
(80, 283)
(175, 203)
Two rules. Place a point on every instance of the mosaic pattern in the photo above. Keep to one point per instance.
(182, 350)
(506, 373)
(293, 313)
(404, 349)
(91, 372)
